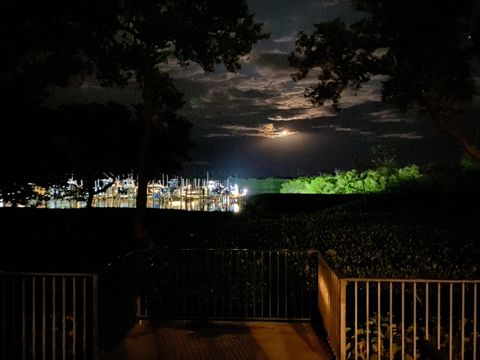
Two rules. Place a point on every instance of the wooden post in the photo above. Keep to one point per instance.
(343, 320)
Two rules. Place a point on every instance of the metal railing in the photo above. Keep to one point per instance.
(80, 316)
(332, 307)
(67, 315)
(118, 310)
(399, 318)
(228, 284)
(48, 316)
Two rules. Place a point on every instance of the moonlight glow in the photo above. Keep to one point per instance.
(286, 133)
(270, 131)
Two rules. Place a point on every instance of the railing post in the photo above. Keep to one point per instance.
(343, 319)
(137, 287)
(95, 317)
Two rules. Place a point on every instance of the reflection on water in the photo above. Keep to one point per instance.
(176, 193)
(225, 204)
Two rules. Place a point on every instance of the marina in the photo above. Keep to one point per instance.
(168, 193)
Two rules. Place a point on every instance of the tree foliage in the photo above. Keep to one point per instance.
(353, 182)
(150, 33)
(52, 43)
(424, 49)
(120, 42)
(48, 45)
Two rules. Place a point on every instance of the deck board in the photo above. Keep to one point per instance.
(182, 340)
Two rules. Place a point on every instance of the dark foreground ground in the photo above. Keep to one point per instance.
(221, 340)
(422, 234)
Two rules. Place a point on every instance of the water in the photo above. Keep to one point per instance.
(161, 203)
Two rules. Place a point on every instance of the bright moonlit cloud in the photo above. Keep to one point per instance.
(270, 131)
(267, 131)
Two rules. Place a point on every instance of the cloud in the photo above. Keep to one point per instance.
(328, 3)
(347, 130)
(304, 115)
(407, 136)
(290, 38)
(241, 104)
(386, 116)
(270, 131)
(274, 61)
(218, 135)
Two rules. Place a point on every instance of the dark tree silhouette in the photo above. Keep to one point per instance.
(46, 45)
(119, 41)
(104, 138)
(424, 48)
(99, 139)
(206, 32)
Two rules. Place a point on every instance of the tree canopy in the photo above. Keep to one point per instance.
(380, 179)
(206, 32)
(155, 32)
(424, 49)
(119, 43)
(47, 45)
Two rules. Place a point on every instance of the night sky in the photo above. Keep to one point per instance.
(238, 117)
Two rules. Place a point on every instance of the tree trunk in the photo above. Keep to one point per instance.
(449, 126)
(444, 116)
(140, 231)
(90, 185)
(469, 148)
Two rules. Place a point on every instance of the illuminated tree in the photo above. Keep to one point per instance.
(423, 48)
(354, 182)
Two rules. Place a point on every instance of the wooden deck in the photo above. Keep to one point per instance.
(218, 340)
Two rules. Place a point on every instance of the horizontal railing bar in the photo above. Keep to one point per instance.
(397, 280)
(47, 274)
(310, 251)
(228, 318)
